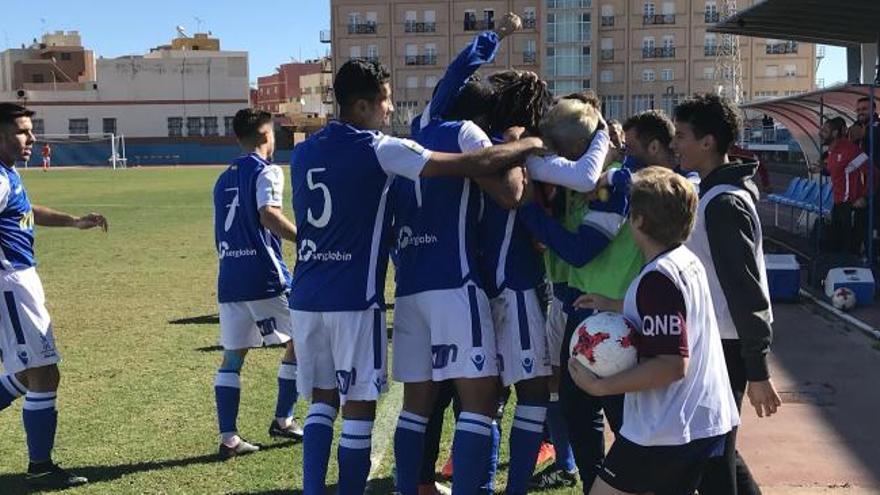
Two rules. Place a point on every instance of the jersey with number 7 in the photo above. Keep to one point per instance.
(341, 177)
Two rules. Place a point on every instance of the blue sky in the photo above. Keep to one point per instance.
(272, 31)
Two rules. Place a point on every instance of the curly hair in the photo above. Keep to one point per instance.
(521, 99)
(710, 114)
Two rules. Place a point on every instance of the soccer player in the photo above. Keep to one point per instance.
(341, 177)
(678, 404)
(728, 240)
(27, 343)
(254, 281)
(47, 156)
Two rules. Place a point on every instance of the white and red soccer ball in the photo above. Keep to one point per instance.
(843, 299)
(605, 344)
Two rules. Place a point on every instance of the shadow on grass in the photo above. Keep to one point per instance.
(15, 483)
(197, 320)
(381, 486)
(217, 348)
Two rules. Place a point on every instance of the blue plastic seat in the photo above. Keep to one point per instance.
(789, 192)
(812, 198)
(801, 193)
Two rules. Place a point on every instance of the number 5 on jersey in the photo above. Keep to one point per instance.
(327, 211)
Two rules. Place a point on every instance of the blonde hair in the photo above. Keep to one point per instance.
(568, 120)
(666, 202)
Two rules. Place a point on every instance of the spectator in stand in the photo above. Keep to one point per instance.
(847, 165)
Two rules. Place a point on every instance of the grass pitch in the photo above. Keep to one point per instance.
(135, 318)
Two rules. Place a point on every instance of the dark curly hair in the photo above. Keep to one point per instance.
(521, 99)
(651, 125)
(359, 79)
(710, 114)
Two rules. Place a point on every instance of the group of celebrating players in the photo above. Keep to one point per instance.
(502, 192)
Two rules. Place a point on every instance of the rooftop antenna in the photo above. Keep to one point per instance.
(181, 32)
(199, 22)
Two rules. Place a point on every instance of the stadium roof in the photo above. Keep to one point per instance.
(801, 114)
(849, 22)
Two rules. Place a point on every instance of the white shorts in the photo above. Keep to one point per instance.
(444, 334)
(520, 336)
(248, 324)
(26, 339)
(343, 350)
(556, 321)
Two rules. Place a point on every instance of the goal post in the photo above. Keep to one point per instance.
(94, 149)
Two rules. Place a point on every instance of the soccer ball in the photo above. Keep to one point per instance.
(843, 299)
(605, 344)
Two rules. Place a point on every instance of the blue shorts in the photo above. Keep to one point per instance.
(662, 470)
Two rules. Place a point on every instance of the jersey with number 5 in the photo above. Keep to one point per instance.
(251, 262)
(341, 178)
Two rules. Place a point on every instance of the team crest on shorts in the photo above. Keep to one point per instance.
(528, 364)
(345, 379)
(23, 356)
(479, 359)
(380, 382)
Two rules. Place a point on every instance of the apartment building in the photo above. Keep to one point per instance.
(416, 40)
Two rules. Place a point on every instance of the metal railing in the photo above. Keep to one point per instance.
(782, 48)
(421, 60)
(362, 28)
(420, 27)
(658, 19)
(326, 36)
(529, 23)
(659, 52)
(606, 54)
(481, 25)
(607, 20)
(530, 58)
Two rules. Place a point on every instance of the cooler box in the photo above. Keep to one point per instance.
(858, 280)
(783, 276)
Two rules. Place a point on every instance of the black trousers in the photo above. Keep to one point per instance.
(584, 414)
(848, 229)
(729, 474)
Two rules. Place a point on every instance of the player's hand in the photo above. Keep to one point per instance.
(598, 302)
(763, 397)
(513, 133)
(91, 221)
(508, 25)
(585, 379)
(536, 144)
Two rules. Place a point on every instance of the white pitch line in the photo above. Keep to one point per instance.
(384, 426)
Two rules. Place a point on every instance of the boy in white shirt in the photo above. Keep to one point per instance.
(678, 405)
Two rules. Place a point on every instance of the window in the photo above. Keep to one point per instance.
(668, 41)
(650, 9)
(109, 126)
(175, 126)
(430, 16)
(410, 16)
(355, 52)
(372, 52)
(648, 43)
(430, 82)
(608, 11)
(648, 75)
(568, 27)
(489, 18)
(568, 61)
(790, 71)
(65, 56)
(568, 86)
(606, 76)
(78, 126)
(669, 102)
(354, 18)
(668, 8)
(372, 18)
(666, 75)
(708, 73)
(227, 125)
(431, 50)
(39, 126)
(211, 126)
(411, 50)
(412, 82)
(529, 18)
(642, 103)
(193, 126)
(771, 71)
(614, 107)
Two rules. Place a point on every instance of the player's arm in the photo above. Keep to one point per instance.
(269, 194)
(505, 188)
(481, 163)
(581, 175)
(47, 217)
(663, 357)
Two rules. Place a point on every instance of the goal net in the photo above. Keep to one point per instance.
(93, 150)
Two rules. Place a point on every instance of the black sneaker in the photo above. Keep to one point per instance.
(292, 431)
(553, 477)
(50, 475)
(243, 447)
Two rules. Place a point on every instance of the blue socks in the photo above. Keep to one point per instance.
(409, 446)
(40, 420)
(471, 452)
(10, 389)
(559, 436)
(317, 439)
(286, 391)
(354, 456)
(488, 485)
(526, 435)
(227, 393)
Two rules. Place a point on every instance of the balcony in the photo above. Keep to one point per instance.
(325, 36)
(607, 21)
(606, 54)
(658, 19)
(362, 28)
(712, 17)
(658, 52)
(783, 48)
(475, 25)
(530, 58)
(421, 59)
(529, 23)
(420, 27)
